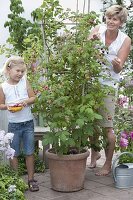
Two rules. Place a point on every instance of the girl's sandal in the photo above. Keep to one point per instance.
(33, 186)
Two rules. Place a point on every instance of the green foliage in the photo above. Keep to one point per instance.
(124, 120)
(19, 27)
(39, 164)
(120, 2)
(125, 159)
(9, 178)
(129, 31)
(69, 93)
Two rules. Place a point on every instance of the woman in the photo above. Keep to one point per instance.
(118, 44)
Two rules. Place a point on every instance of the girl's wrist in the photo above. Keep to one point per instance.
(25, 103)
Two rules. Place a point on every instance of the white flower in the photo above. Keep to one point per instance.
(2, 148)
(2, 143)
(125, 105)
(10, 152)
(8, 136)
(12, 188)
(5, 140)
(2, 134)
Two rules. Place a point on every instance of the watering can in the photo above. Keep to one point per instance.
(123, 173)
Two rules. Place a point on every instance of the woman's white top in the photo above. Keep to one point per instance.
(112, 77)
(15, 94)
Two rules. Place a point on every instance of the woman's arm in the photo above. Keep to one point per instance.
(94, 35)
(122, 55)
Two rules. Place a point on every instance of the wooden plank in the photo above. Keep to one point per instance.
(39, 133)
(41, 130)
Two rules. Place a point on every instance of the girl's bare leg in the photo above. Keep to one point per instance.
(30, 166)
(14, 163)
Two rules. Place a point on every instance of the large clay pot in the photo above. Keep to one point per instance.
(67, 172)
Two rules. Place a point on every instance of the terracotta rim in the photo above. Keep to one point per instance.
(67, 157)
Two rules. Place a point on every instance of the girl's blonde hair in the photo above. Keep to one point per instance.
(118, 10)
(12, 62)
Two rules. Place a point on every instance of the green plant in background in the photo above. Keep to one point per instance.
(26, 27)
(11, 185)
(124, 121)
(39, 164)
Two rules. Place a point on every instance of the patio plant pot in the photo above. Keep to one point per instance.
(67, 172)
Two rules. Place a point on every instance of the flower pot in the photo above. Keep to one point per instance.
(67, 172)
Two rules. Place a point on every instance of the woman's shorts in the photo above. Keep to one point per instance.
(23, 137)
(108, 111)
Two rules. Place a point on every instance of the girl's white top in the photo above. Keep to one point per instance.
(15, 94)
(112, 77)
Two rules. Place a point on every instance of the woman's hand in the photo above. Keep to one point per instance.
(95, 36)
(117, 65)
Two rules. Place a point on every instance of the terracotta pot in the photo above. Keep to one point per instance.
(67, 172)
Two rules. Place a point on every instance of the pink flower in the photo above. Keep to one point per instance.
(123, 142)
(45, 87)
(113, 132)
(122, 100)
(131, 135)
(124, 134)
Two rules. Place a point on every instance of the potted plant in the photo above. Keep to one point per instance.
(64, 68)
(69, 92)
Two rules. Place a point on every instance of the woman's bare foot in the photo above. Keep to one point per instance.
(104, 171)
(94, 157)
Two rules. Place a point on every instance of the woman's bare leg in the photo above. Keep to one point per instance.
(95, 155)
(105, 170)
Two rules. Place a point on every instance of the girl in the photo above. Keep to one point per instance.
(16, 96)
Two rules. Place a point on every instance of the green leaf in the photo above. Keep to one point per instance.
(63, 137)
(80, 122)
(97, 116)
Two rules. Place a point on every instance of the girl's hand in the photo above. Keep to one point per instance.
(23, 103)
